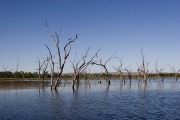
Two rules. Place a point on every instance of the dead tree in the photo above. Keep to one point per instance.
(6, 71)
(120, 69)
(105, 73)
(67, 49)
(174, 72)
(51, 64)
(144, 67)
(44, 72)
(129, 72)
(39, 69)
(158, 71)
(17, 67)
(17, 64)
(42, 69)
(80, 66)
(89, 75)
(138, 72)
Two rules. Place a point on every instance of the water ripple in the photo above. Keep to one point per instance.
(95, 102)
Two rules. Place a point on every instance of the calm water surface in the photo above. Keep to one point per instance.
(136, 100)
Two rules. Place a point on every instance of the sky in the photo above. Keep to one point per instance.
(121, 26)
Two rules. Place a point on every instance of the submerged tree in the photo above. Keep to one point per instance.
(42, 69)
(17, 66)
(67, 48)
(6, 72)
(79, 66)
(120, 69)
(39, 69)
(129, 72)
(174, 72)
(158, 71)
(105, 73)
(138, 72)
(144, 67)
(44, 72)
(51, 64)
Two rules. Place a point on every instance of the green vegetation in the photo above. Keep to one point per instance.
(46, 75)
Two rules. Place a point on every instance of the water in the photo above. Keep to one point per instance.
(119, 100)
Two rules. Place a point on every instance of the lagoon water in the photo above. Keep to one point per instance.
(28, 100)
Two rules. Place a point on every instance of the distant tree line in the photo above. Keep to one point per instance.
(18, 74)
(86, 76)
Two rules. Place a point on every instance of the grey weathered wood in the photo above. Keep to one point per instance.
(80, 66)
(158, 70)
(119, 69)
(174, 71)
(67, 49)
(105, 73)
(144, 67)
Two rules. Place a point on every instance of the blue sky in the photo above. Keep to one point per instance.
(124, 26)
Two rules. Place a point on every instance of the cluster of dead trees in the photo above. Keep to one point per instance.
(80, 65)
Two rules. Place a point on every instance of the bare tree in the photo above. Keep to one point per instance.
(89, 74)
(174, 72)
(80, 66)
(129, 72)
(44, 72)
(105, 73)
(51, 64)
(67, 49)
(120, 69)
(16, 68)
(42, 68)
(138, 73)
(17, 64)
(6, 71)
(158, 71)
(39, 69)
(144, 67)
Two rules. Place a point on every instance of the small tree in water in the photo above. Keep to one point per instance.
(61, 61)
(106, 73)
(174, 72)
(79, 66)
(144, 67)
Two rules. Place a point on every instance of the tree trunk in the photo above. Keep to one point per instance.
(73, 83)
(56, 83)
(108, 82)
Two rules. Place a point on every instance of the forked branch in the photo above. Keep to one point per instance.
(80, 66)
(67, 49)
(106, 73)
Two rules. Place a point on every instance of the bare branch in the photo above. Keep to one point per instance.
(174, 71)
(67, 50)
(144, 67)
(106, 74)
(112, 56)
(80, 68)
